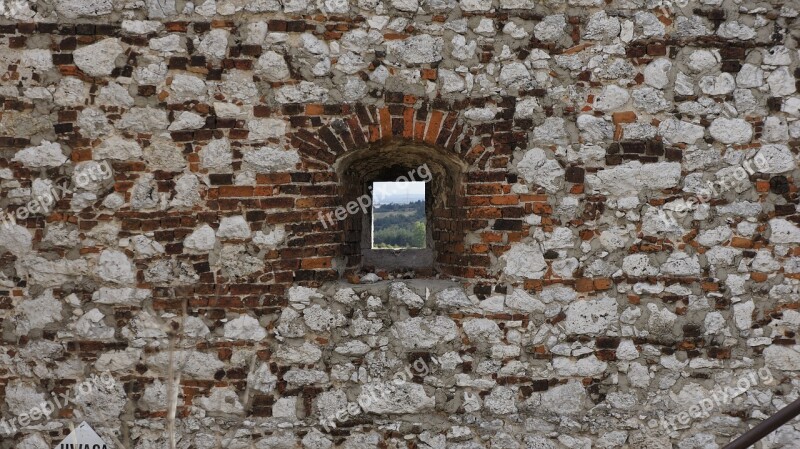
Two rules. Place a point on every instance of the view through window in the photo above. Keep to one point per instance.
(398, 215)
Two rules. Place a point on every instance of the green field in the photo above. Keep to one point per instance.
(398, 226)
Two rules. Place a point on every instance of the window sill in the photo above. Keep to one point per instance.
(398, 259)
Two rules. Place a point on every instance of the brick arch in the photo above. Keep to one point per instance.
(402, 121)
(403, 118)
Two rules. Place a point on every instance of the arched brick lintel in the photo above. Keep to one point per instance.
(361, 126)
(356, 129)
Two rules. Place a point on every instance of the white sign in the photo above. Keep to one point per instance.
(83, 437)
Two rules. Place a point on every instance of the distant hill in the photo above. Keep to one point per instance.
(399, 225)
(401, 198)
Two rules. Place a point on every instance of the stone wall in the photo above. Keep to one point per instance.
(618, 252)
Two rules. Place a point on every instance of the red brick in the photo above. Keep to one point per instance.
(429, 74)
(316, 263)
(624, 117)
(602, 284)
(434, 123)
(374, 133)
(505, 200)
(419, 131)
(273, 178)
(235, 191)
(386, 123)
(408, 123)
(314, 109)
(741, 242)
(584, 285)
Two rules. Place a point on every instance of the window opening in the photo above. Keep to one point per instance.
(398, 215)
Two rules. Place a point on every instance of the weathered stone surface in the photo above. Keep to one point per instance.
(234, 227)
(681, 264)
(216, 155)
(594, 129)
(117, 148)
(48, 154)
(731, 131)
(391, 398)
(781, 82)
(304, 92)
(424, 333)
(399, 291)
(321, 319)
(273, 66)
(569, 398)
(589, 366)
(638, 265)
(783, 231)
(601, 26)
(195, 364)
(235, 261)
(73, 9)
(123, 296)
(264, 129)
(187, 191)
(99, 58)
(501, 401)
(21, 397)
(115, 267)
(612, 97)
(93, 122)
(244, 328)
(551, 28)
(656, 74)
(270, 239)
(266, 159)
(185, 121)
(421, 49)
(632, 177)
(144, 120)
(524, 261)
(775, 159)
(302, 355)
(452, 298)
(591, 317)
(38, 313)
(221, 400)
(201, 239)
(678, 131)
(91, 326)
(51, 273)
(521, 300)
(535, 167)
(782, 358)
(15, 239)
(482, 330)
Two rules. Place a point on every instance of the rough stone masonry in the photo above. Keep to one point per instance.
(607, 254)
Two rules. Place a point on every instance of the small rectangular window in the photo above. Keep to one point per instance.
(398, 215)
